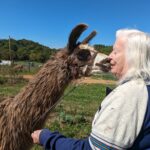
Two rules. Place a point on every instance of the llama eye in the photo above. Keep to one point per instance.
(83, 55)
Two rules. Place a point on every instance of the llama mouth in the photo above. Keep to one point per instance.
(104, 65)
(86, 70)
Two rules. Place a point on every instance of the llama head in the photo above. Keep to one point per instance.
(81, 54)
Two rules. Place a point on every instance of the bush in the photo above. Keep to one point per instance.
(3, 80)
(72, 119)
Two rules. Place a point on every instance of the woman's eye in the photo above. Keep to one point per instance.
(114, 52)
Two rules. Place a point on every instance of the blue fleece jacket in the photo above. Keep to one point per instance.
(55, 141)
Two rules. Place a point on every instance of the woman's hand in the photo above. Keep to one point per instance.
(35, 136)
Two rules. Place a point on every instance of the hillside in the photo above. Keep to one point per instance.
(24, 50)
(103, 49)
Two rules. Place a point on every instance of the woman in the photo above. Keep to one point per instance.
(123, 122)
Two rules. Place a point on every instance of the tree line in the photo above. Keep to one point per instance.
(24, 50)
(33, 51)
(103, 48)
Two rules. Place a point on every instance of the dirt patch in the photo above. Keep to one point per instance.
(28, 77)
(88, 80)
(84, 80)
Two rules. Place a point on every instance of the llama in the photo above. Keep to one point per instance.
(18, 68)
(28, 110)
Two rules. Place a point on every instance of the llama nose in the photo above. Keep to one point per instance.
(104, 65)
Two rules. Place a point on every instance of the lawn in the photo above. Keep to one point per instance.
(105, 76)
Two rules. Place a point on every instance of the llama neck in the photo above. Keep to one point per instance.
(44, 91)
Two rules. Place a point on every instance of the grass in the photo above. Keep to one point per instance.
(10, 90)
(105, 76)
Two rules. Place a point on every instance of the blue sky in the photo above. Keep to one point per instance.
(49, 22)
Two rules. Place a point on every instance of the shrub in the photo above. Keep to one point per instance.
(3, 80)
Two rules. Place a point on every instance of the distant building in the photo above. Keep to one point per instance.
(5, 62)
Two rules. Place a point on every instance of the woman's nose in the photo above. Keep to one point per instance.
(110, 56)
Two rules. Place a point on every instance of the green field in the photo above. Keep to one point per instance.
(105, 76)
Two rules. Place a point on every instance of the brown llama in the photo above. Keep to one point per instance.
(28, 110)
(18, 67)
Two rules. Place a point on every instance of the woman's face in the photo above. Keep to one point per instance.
(118, 59)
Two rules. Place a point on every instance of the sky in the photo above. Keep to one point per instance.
(49, 22)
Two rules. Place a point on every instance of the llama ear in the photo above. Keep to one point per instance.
(88, 38)
(74, 35)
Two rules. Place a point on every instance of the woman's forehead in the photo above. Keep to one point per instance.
(119, 43)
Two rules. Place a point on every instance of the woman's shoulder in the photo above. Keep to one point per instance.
(134, 85)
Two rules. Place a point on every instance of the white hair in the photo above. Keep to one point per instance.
(137, 47)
